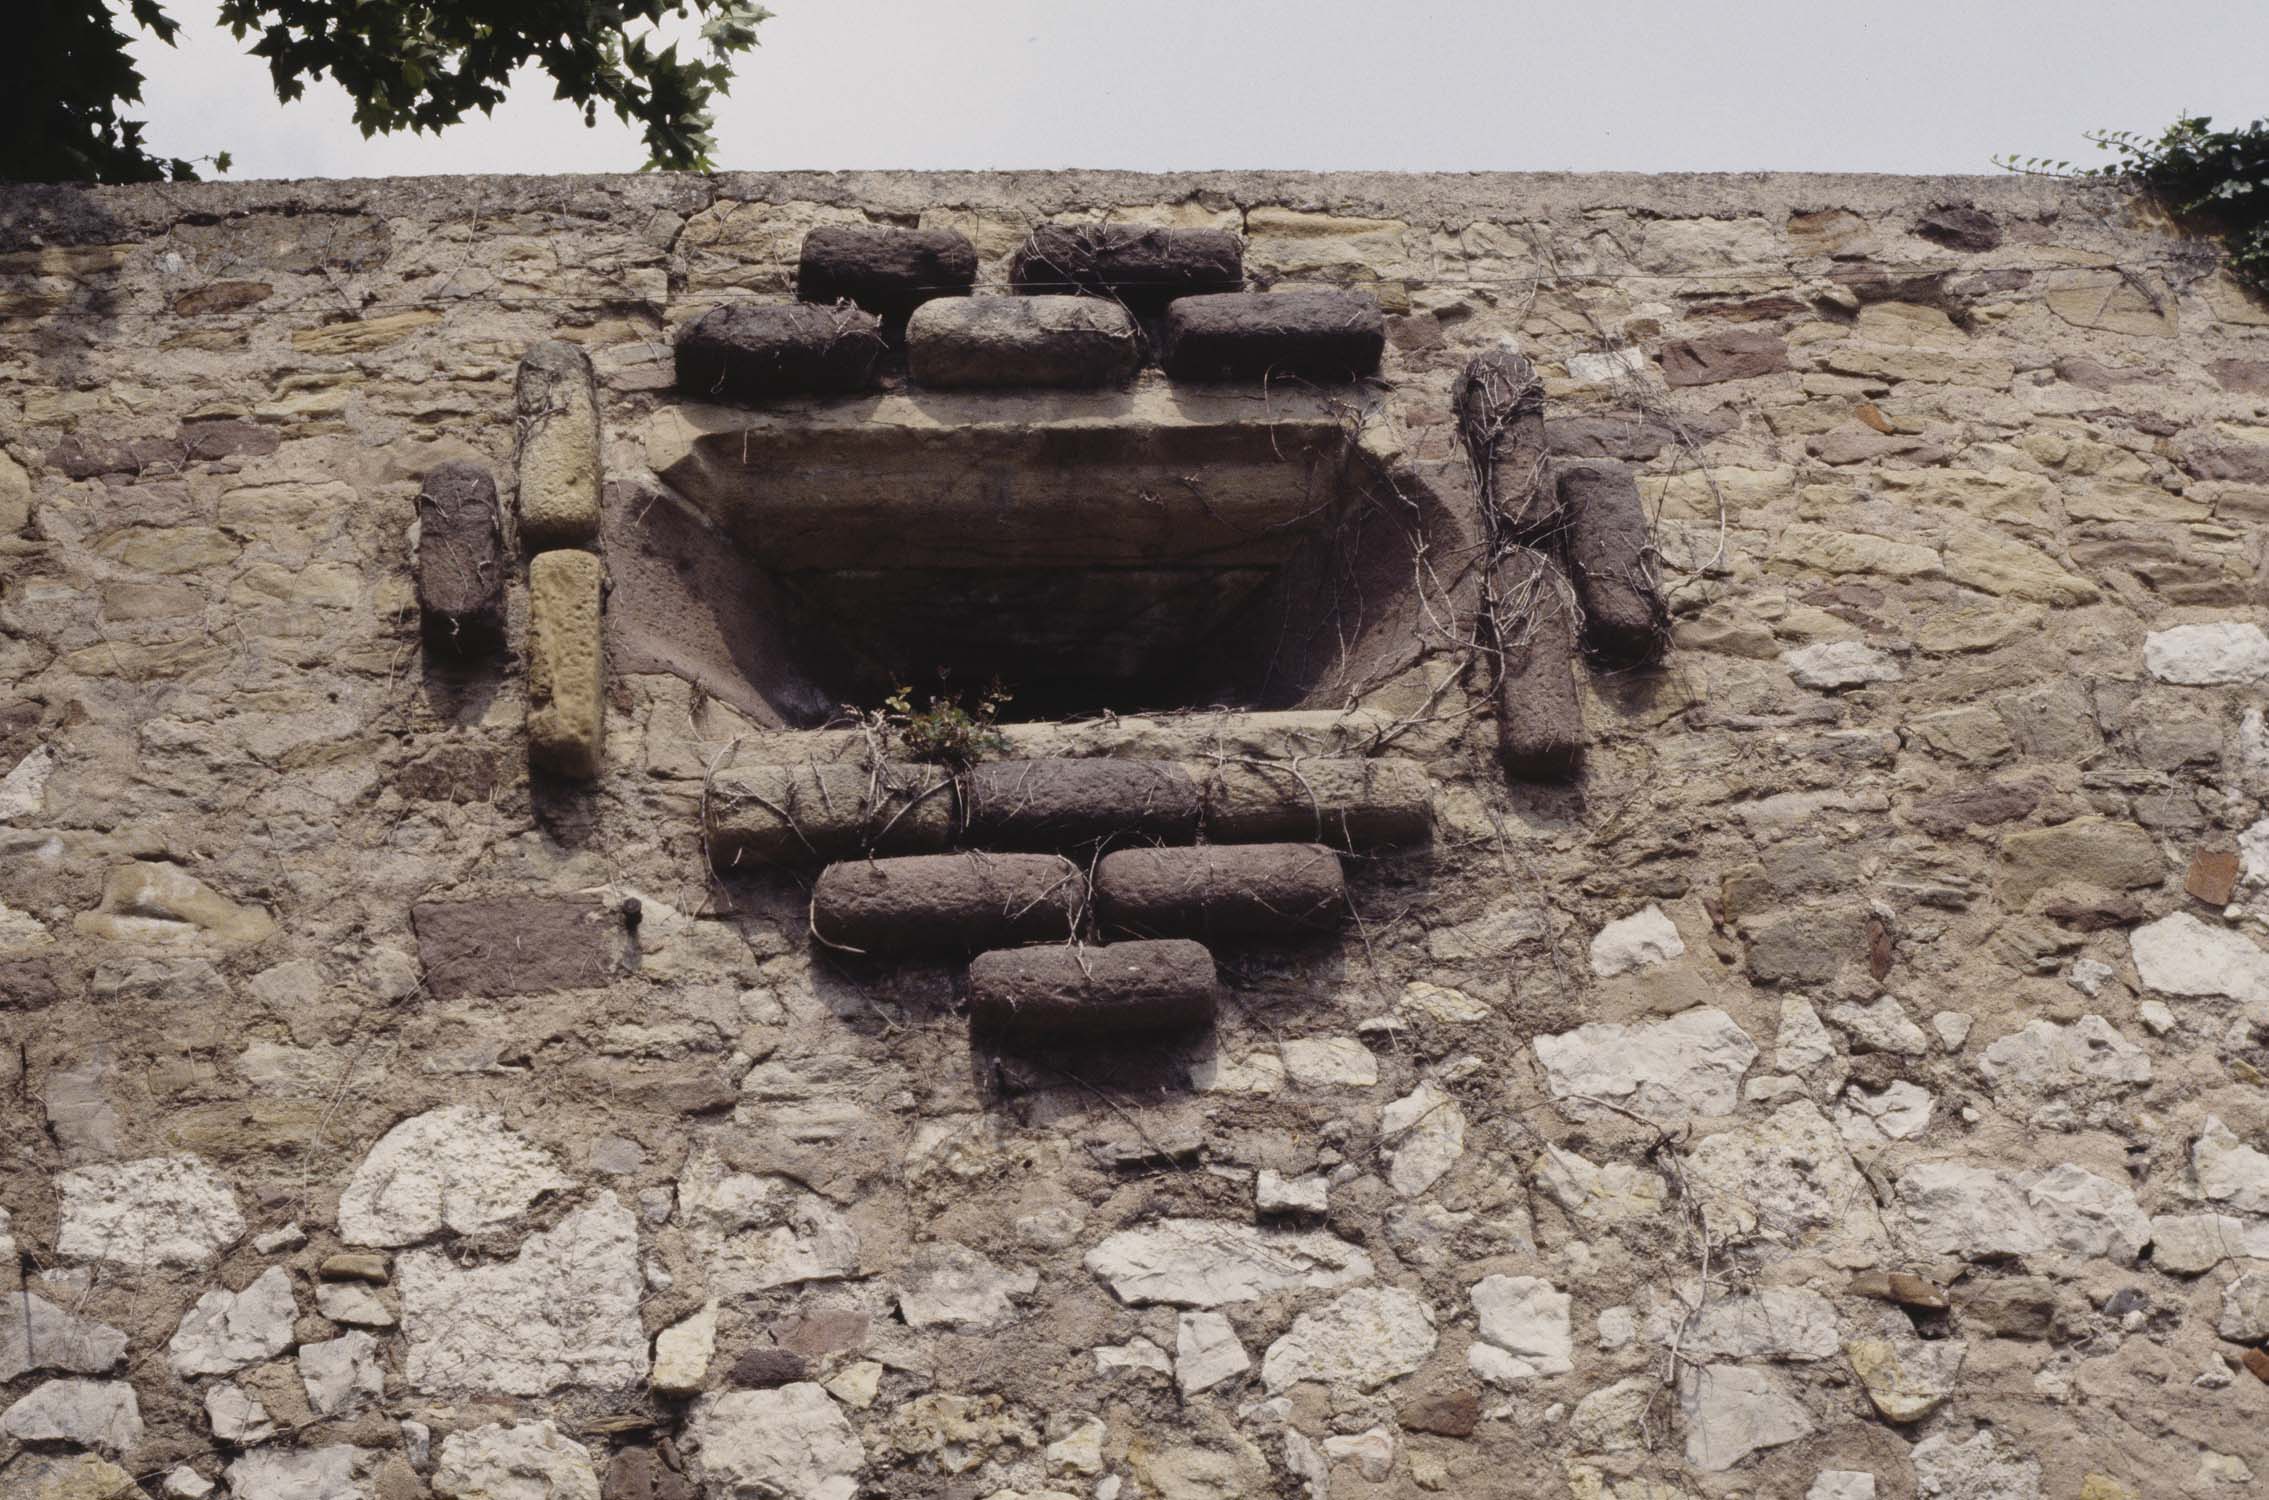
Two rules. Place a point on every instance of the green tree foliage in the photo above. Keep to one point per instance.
(2217, 178)
(408, 65)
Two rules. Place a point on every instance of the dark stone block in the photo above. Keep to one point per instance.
(1063, 804)
(1255, 335)
(1742, 354)
(1959, 227)
(824, 1330)
(2247, 377)
(2202, 457)
(640, 1473)
(1975, 807)
(1447, 1414)
(1346, 803)
(460, 561)
(889, 272)
(746, 351)
(1540, 720)
(227, 437)
(1144, 266)
(518, 945)
(947, 903)
(1611, 561)
(759, 1368)
(1222, 890)
(810, 811)
(1029, 341)
(27, 984)
(1059, 994)
(1630, 438)
(1499, 401)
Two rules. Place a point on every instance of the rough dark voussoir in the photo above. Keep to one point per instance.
(947, 903)
(1611, 561)
(746, 351)
(786, 814)
(1499, 401)
(1250, 335)
(1060, 994)
(889, 272)
(1065, 804)
(518, 945)
(1012, 341)
(1741, 355)
(1540, 720)
(1145, 266)
(1222, 890)
(1349, 804)
(460, 562)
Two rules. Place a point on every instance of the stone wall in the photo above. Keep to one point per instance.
(1848, 1081)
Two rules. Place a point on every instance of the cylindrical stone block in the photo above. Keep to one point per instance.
(1065, 804)
(558, 413)
(746, 351)
(1222, 890)
(1142, 265)
(787, 814)
(1499, 402)
(460, 562)
(1253, 335)
(567, 680)
(889, 272)
(1348, 804)
(1010, 341)
(1540, 720)
(947, 903)
(1057, 994)
(1611, 559)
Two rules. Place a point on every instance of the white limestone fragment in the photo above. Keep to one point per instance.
(1371, 1451)
(759, 1230)
(1137, 1353)
(341, 1372)
(1207, 1352)
(1613, 1419)
(1791, 1182)
(1899, 1113)
(1669, 1072)
(2210, 655)
(682, 1353)
(225, 1331)
(1638, 941)
(564, 1311)
(1842, 1484)
(952, 1286)
(24, 788)
(2180, 955)
(2191, 1244)
(329, 1473)
(455, 1169)
(509, 1461)
(1524, 1330)
(236, 1415)
(1881, 1025)
(1434, 1002)
(35, 1334)
(1733, 1411)
(1367, 1338)
(1329, 1062)
(1833, 665)
(1426, 1130)
(1986, 1466)
(1075, 1445)
(100, 1414)
(1274, 1193)
(1953, 1028)
(1214, 1262)
(1802, 1041)
(185, 1483)
(1496, 935)
(1616, 1192)
(2229, 1172)
(791, 1441)
(353, 1303)
(158, 1211)
(1907, 1378)
(1956, 1208)
(1791, 1323)
(2048, 1060)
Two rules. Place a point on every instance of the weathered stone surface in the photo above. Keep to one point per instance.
(1640, 940)
(1955, 1208)
(1365, 1338)
(2100, 852)
(1499, 402)
(1789, 1323)
(460, 562)
(456, 1169)
(514, 1461)
(2245, 1309)
(517, 945)
(563, 1312)
(353, 1304)
(2228, 1171)
(158, 1211)
(1833, 665)
(1960, 226)
(1215, 1262)
(1425, 1130)
(567, 673)
(793, 814)
(1533, 620)
(2208, 655)
(792, 1442)
(2191, 1244)
(1668, 1071)
(2067, 1064)
(227, 1331)
(943, 903)
(889, 272)
(1789, 1180)
(2180, 955)
(1348, 804)
(1742, 354)
(952, 1286)
(236, 1416)
(35, 1334)
(341, 1373)
(756, 1231)
(748, 351)
(1907, 1379)
(1142, 265)
(1054, 995)
(1898, 1112)
(153, 903)
(1222, 890)
(1733, 1412)
(1207, 1352)
(1524, 1328)
(85, 1413)
(332, 1472)
(1068, 803)
(1986, 1466)
(1612, 562)
(639, 1473)
(682, 1353)
(559, 464)
(1611, 1192)
(1022, 341)
(1273, 335)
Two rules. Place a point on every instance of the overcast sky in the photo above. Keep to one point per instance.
(1459, 85)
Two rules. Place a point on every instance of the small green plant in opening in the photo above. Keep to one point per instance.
(946, 733)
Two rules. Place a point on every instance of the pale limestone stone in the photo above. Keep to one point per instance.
(1733, 1412)
(1524, 1327)
(2226, 651)
(2191, 1244)
(1498, 935)
(24, 789)
(1075, 1444)
(35, 1334)
(1907, 1379)
(1426, 1131)
(1422, 1002)
(515, 1461)
(236, 1416)
(952, 1286)
(559, 463)
(1668, 1071)
(2229, 1171)
(185, 1483)
(1842, 1484)
(227, 1331)
(1137, 1353)
(567, 677)
(1365, 1338)
(1955, 1208)
(682, 1353)
(1616, 1192)
(1329, 1062)
(1207, 1352)
(858, 1384)
(1644, 938)
(1614, 1418)
(1789, 1182)
(1881, 1025)
(2245, 1308)
(1274, 1193)
(333, 1472)
(342, 1372)
(1833, 665)
(153, 903)
(86, 1413)
(1986, 1466)
(77, 1476)
(1783, 1323)
(1802, 1041)
(756, 1231)
(1839, 553)
(455, 1169)
(2046, 1061)
(1900, 1112)
(792, 1442)
(1953, 1026)
(2180, 955)
(353, 1303)
(158, 1211)
(1215, 1262)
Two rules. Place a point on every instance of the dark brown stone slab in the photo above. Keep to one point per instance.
(1064, 804)
(27, 984)
(1611, 561)
(1634, 439)
(639, 1473)
(1958, 226)
(1142, 265)
(947, 903)
(1447, 1414)
(747, 351)
(2212, 877)
(1976, 807)
(1346, 803)
(460, 562)
(1499, 401)
(889, 272)
(759, 1368)
(1742, 354)
(784, 814)
(518, 945)
(1540, 720)
(1222, 890)
(1061, 994)
(1256, 335)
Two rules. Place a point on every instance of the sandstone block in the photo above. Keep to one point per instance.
(460, 562)
(947, 903)
(1348, 804)
(1012, 341)
(1611, 560)
(559, 447)
(1142, 265)
(747, 351)
(1540, 720)
(517, 945)
(1060, 804)
(889, 272)
(1222, 890)
(1255, 335)
(566, 664)
(1062, 994)
(1499, 401)
(791, 813)
(2096, 852)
